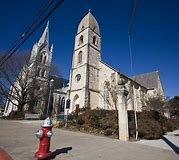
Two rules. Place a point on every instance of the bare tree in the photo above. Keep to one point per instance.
(156, 103)
(19, 85)
(112, 90)
(16, 83)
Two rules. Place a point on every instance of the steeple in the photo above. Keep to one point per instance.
(89, 21)
(45, 36)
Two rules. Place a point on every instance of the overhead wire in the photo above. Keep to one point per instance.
(26, 30)
(27, 35)
(130, 31)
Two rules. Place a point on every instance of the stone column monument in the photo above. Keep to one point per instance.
(122, 110)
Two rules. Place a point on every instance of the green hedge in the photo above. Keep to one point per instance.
(151, 125)
(94, 121)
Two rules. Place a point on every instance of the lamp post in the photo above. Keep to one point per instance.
(49, 97)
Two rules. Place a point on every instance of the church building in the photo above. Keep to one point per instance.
(93, 82)
(35, 75)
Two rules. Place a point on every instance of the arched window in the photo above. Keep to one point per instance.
(62, 105)
(75, 97)
(68, 104)
(80, 40)
(59, 105)
(36, 103)
(38, 72)
(94, 40)
(80, 57)
(76, 102)
(43, 73)
(41, 58)
(44, 59)
(82, 27)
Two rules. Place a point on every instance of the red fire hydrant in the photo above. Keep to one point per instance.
(44, 135)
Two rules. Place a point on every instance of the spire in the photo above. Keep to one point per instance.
(45, 36)
(89, 21)
(51, 48)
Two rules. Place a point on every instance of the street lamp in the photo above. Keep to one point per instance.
(49, 97)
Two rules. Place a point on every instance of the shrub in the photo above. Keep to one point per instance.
(108, 132)
(16, 115)
(168, 126)
(175, 123)
(151, 124)
(150, 129)
(94, 121)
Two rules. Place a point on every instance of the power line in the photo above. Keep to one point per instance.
(130, 31)
(44, 8)
(32, 31)
(130, 53)
(133, 17)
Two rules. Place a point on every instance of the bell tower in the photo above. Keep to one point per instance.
(85, 65)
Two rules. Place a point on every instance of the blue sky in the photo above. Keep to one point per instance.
(155, 40)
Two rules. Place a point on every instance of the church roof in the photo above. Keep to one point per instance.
(59, 82)
(89, 21)
(45, 36)
(149, 80)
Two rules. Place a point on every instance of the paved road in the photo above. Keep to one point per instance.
(18, 140)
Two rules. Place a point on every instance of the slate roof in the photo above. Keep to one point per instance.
(148, 80)
(59, 82)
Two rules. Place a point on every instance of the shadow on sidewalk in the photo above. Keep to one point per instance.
(173, 146)
(60, 151)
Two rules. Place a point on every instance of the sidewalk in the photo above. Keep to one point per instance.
(165, 143)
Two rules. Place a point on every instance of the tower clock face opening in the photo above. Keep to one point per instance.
(78, 77)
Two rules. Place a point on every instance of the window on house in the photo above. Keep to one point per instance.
(80, 57)
(80, 40)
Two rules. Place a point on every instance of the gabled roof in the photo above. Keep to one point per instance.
(148, 80)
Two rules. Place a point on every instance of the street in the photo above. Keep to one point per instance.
(18, 139)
